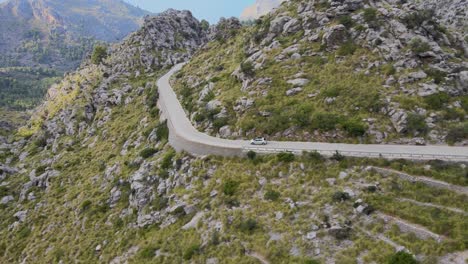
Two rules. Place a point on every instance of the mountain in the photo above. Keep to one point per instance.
(92, 176)
(335, 72)
(41, 39)
(260, 8)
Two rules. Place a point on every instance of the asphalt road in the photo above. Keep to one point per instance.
(185, 137)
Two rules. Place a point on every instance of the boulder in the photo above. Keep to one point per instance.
(335, 36)
(7, 199)
(225, 131)
(292, 26)
(277, 24)
(212, 105)
(300, 82)
(462, 81)
(21, 215)
(293, 91)
(399, 120)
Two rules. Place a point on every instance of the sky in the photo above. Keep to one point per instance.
(210, 10)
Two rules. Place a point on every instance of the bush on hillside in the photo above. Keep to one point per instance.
(457, 133)
(418, 46)
(346, 21)
(416, 124)
(148, 152)
(272, 195)
(99, 54)
(325, 121)
(248, 226)
(401, 257)
(346, 49)
(436, 101)
(247, 68)
(286, 157)
(355, 128)
(230, 187)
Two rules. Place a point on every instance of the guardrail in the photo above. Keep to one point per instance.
(361, 154)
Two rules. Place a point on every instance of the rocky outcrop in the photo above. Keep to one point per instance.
(164, 40)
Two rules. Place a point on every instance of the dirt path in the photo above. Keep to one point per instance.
(426, 180)
(420, 231)
(455, 210)
(258, 256)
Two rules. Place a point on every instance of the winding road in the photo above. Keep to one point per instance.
(184, 137)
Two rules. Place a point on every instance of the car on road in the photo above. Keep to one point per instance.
(258, 141)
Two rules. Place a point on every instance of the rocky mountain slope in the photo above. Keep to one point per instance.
(91, 179)
(348, 71)
(260, 8)
(41, 39)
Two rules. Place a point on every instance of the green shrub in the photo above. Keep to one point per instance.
(220, 122)
(3, 191)
(388, 69)
(272, 195)
(340, 196)
(251, 155)
(355, 128)
(416, 19)
(457, 133)
(285, 157)
(418, 46)
(99, 54)
(302, 116)
(191, 251)
(86, 205)
(152, 97)
(162, 131)
(230, 187)
(248, 68)
(401, 258)
(436, 101)
(166, 162)
(438, 76)
(147, 252)
(40, 170)
(311, 261)
(148, 152)
(454, 114)
(370, 15)
(159, 203)
(24, 232)
(215, 239)
(338, 156)
(248, 226)
(315, 156)
(347, 48)
(346, 21)
(464, 103)
(325, 121)
(416, 124)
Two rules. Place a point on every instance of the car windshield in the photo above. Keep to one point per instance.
(259, 139)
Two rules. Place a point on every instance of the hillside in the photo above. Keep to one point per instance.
(91, 178)
(351, 72)
(42, 39)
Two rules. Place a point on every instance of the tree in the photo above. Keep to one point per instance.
(99, 54)
(205, 25)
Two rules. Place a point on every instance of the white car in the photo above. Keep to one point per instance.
(258, 141)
